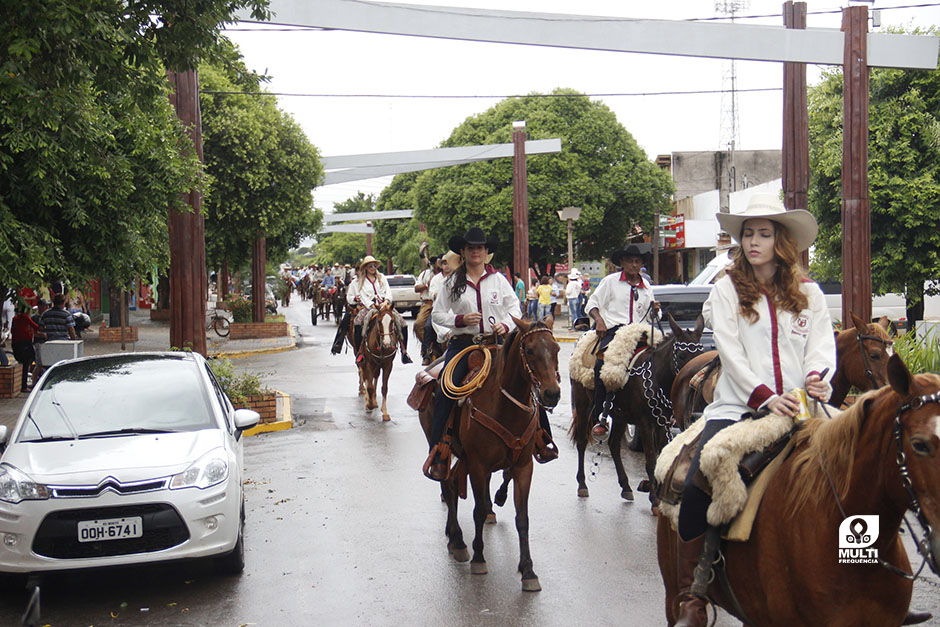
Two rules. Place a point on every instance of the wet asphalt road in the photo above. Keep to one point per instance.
(343, 529)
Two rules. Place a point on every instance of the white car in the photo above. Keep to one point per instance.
(123, 459)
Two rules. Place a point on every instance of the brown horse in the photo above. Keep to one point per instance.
(641, 402)
(379, 347)
(497, 425)
(861, 361)
(338, 301)
(879, 457)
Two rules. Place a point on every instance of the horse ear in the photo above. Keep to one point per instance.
(676, 329)
(522, 324)
(859, 323)
(899, 377)
(699, 326)
(549, 322)
(884, 322)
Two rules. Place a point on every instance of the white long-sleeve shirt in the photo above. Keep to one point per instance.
(769, 357)
(619, 302)
(371, 290)
(425, 279)
(352, 292)
(493, 297)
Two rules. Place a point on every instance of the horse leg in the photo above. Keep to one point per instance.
(371, 380)
(480, 480)
(617, 430)
(522, 482)
(490, 514)
(386, 370)
(503, 490)
(455, 544)
(580, 409)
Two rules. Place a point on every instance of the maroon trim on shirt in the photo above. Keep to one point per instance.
(487, 271)
(760, 394)
(778, 373)
(458, 321)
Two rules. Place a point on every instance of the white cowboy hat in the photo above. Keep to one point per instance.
(367, 260)
(799, 223)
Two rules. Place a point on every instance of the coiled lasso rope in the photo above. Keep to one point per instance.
(457, 392)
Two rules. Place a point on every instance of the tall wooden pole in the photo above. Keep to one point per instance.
(188, 279)
(856, 219)
(795, 123)
(520, 203)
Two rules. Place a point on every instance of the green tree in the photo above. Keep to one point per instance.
(346, 247)
(601, 169)
(262, 170)
(91, 153)
(904, 180)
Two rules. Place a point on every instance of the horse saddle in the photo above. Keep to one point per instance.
(705, 380)
(422, 391)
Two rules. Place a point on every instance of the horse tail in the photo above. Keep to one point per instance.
(580, 426)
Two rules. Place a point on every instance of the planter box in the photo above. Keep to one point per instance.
(113, 334)
(252, 330)
(264, 404)
(11, 378)
(160, 314)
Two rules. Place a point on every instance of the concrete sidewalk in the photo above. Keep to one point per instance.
(155, 336)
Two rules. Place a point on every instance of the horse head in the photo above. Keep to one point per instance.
(864, 352)
(684, 344)
(385, 322)
(917, 434)
(538, 352)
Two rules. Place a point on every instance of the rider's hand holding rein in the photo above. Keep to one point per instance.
(817, 387)
(500, 329)
(470, 319)
(784, 405)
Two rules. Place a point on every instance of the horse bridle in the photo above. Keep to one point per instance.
(861, 337)
(694, 348)
(382, 334)
(923, 545)
(536, 389)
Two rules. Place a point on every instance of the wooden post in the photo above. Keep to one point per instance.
(655, 246)
(223, 281)
(795, 124)
(188, 280)
(520, 202)
(257, 279)
(856, 220)
(123, 318)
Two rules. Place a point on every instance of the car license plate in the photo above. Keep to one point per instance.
(110, 529)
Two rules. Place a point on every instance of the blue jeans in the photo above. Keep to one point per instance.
(573, 313)
(544, 311)
(442, 404)
(533, 309)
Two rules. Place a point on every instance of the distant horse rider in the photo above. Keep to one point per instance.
(373, 292)
(620, 298)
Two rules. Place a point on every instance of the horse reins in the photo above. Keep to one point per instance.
(923, 546)
(365, 341)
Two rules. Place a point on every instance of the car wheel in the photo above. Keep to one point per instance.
(233, 563)
(632, 438)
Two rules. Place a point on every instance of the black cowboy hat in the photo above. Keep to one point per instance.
(642, 250)
(474, 236)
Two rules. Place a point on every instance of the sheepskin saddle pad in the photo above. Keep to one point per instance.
(719, 463)
(618, 357)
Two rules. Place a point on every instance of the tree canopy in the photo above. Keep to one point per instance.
(904, 179)
(91, 153)
(601, 169)
(262, 168)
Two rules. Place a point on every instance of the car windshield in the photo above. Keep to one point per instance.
(400, 281)
(116, 396)
(683, 307)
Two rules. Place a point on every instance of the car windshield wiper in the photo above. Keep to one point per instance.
(51, 438)
(127, 431)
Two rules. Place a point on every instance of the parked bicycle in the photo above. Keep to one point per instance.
(218, 322)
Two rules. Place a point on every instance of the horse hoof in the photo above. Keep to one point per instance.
(583, 492)
(490, 519)
(478, 568)
(627, 495)
(643, 486)
(531, 585)
(461, 555)
(386, 417)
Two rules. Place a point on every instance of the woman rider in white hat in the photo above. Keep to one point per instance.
(773, 334)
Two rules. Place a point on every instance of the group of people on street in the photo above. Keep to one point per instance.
(546, 295)
(771, 328)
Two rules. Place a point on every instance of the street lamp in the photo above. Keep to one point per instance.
(570, 214)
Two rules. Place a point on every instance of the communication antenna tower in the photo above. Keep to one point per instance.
(729, 136)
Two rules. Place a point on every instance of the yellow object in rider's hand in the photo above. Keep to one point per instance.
(803, 412)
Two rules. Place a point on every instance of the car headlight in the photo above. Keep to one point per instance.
(208, 470)
(16, 486)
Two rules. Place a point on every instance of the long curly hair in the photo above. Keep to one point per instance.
(783, 289)
(458, 280)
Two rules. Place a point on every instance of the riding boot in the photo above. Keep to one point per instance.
(545, 448)
(403, 337)
(691, 607)
(340, 336)
(357, 337)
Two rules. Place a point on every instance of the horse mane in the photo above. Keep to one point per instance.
(830, 441)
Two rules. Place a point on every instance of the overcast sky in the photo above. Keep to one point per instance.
(345, 63)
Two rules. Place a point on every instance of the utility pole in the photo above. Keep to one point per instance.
(520, 203)
(795, 124)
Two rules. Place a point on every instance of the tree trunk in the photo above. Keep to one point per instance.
(257, 279)
(163, 291)
(114, 298)
(222, 287)
(915, 302)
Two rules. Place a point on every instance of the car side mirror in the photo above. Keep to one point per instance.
(244, 419)
(4, 433)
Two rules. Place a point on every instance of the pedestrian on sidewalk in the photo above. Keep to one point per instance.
(572, 292)
(23, 333)
(544, 291)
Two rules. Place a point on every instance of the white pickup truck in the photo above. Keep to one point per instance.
(404, 296)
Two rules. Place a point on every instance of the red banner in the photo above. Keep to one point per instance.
(674, 234)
